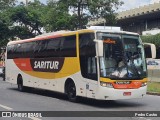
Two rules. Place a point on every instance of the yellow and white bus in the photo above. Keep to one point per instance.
(98, 64)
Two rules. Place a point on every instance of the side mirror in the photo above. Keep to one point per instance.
(150, 49)
(99, 47)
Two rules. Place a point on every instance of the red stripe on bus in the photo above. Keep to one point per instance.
(23, 64)
(132, 85)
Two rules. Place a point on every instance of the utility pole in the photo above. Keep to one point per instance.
(26, 2)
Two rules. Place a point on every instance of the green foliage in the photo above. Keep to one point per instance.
(25, 21)
(86, 10)
(153, 87)
(3, 34)
(155, 39)
(56, 19)
(5, 4)
(29, 17)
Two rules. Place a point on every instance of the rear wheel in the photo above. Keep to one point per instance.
(71, 92)
(20, 84)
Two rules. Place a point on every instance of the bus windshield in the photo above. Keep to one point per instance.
(123, 57)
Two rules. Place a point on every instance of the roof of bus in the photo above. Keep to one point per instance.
(50, 35)
(66, 33)
(116, 31)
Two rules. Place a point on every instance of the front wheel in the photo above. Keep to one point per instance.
(71, 92)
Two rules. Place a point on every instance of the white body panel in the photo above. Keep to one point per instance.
(115, 94)
(84, 87)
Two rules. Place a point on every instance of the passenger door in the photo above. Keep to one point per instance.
(92, 81)
(88, 63)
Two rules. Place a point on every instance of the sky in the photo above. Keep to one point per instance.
(128, 4)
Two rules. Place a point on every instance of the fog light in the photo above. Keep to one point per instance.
(105, 84)
(143, 84)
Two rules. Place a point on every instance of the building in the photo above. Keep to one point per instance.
(144, 18)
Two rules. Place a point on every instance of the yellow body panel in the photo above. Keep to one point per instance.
(70, 66)
(109, 80)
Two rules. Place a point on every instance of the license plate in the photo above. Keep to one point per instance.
(127, 94)
(123, 82)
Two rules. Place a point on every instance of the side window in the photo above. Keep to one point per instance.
(53, 47)
(28, 49)
(68, 46)
(42, 48)
(20, 50)
(87, 56)
(61, 47)
(10, 50)
(17, 50)
(37, 49)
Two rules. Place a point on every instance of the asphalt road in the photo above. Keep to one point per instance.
(39, 100)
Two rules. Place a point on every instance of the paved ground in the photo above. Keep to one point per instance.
(39, 100)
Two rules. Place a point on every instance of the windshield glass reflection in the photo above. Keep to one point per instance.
(123, 57)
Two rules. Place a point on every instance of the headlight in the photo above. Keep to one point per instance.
(105, 84)
(143, 84)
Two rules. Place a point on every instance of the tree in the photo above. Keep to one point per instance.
(21, 21)
(4, 24)
(24, 21)
(57, 17)
(29, 17)
(4, 4)
(151, 39)
(4, 33)
(92, 9)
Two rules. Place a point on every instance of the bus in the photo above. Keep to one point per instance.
(100, 64)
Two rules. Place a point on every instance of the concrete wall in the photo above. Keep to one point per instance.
(153, 66)
(154, 75)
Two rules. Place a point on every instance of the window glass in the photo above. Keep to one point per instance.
(87, 56)
(28, 49)
(10, 51)
(147, 49)
(55, 47)
(68, 46)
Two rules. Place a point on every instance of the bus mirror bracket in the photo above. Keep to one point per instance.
(153, 49)
(99, 44)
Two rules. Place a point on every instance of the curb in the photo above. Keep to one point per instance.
(153, 93)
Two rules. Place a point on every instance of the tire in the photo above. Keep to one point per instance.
(71, 92)
(20, 84)
(3, 74)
